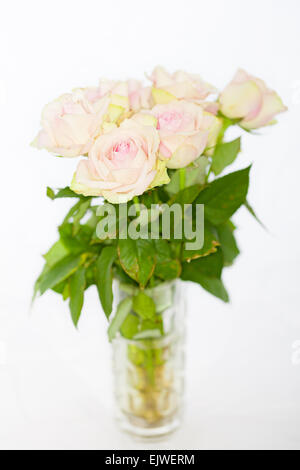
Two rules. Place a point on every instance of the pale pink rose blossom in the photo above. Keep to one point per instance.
(121, 164)
(183, 130)
(70, 124)
(211, 107)
(181, 85)
(249, 99)
(130, 94)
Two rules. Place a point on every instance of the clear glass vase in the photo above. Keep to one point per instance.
(149, 372)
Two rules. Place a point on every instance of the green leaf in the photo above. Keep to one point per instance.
(123, 310)
(210, 246)
(104, 277)
(130, 326)
(71, 212)
(137, 258)
(76, 213)
(163, 250)
(90, 275)
(61, 193)
(92, 221)
(56, 253)
(207, 272)
(66, 292)
(194, 174)
(82, 210)
(59, 272)
(155, 323)
(224, 196)
(78, 243)
(251, 210)
(224, 155)
(144, 306)
(50, 193)
(37, 284)
(228, 244)
(149, 197)
(210, 266)
(59, 288)
(120, 274)
(215, 287)
(186, 195)
(77, 287)
(167, 268)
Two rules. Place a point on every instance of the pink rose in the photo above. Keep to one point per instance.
(70, 124)
(183, 130)
(180, 85)
(211, 107)
(122, 164)
(130, 94)
(139, 96)
(249, 99)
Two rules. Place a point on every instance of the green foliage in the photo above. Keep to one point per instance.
(123, 310)
(66, 291)
(228, 243)
(144, 306)
(251, 210)
(137, 258)
(167, 268)
(77, 287)
(123, 278)
(59, 272)
(214, 286)
(186, 195)
(142, 322)
(69, 268)
(224, 196)
(194, 175)
(226, 123)
(104, 277)
(56, 253)
(130, 326)
(79, 259)
(50, 193)
(207, 272)
(78, 242)
(210, 246)
(210, 266)
(155, 323)
(80, 213)
(62, 193)
(224, 155)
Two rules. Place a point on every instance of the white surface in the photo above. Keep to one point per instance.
(243, 360)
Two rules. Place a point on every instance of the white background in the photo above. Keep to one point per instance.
(243, 359)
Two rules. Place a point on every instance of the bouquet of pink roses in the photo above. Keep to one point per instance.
(150, 206)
